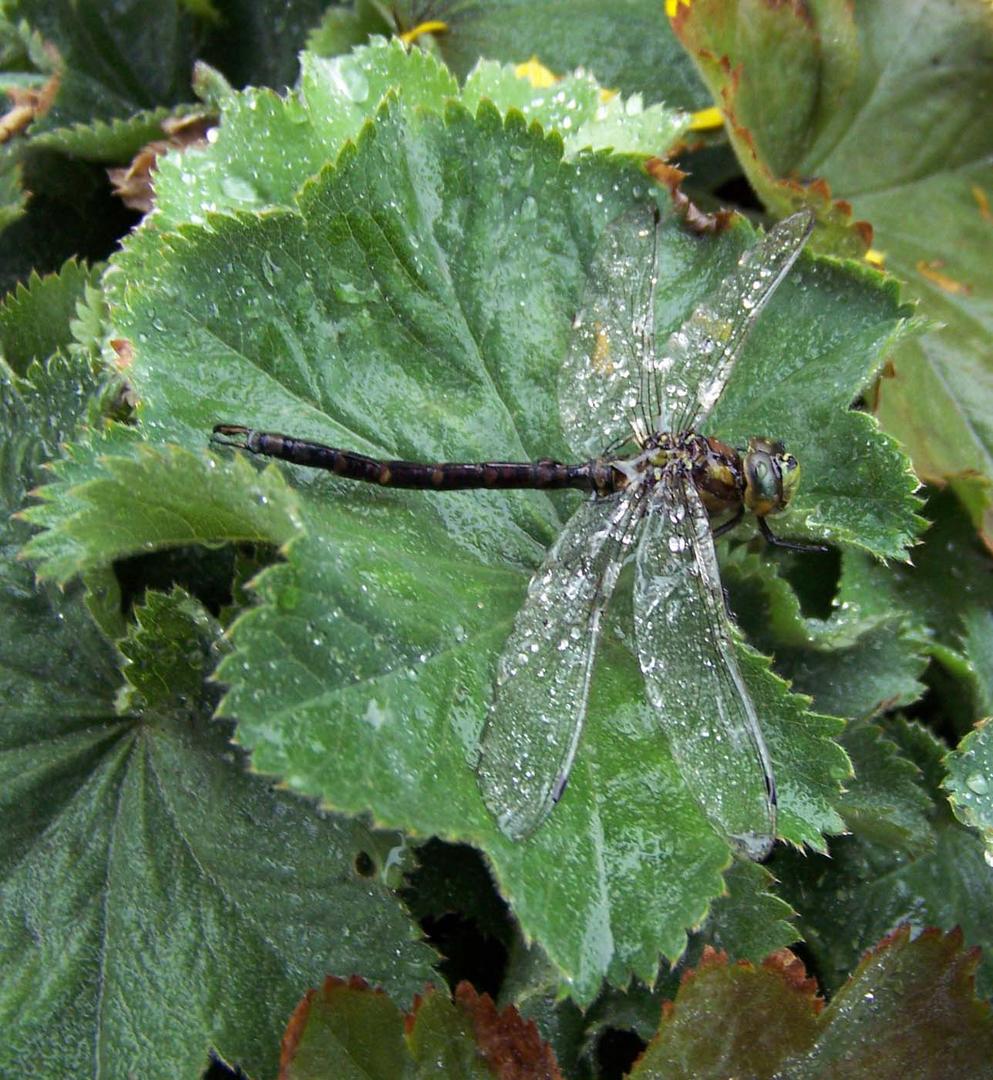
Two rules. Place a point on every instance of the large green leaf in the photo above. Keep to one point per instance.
(418, 304)
(145, 875)
(306, 129)
(872, 882)
(879, 99)
(626, 45)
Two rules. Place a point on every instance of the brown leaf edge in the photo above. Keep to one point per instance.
(783, 962)
(696, 220)
(134, 184)
(297, 1024)
(783, 194)
(511, 1046)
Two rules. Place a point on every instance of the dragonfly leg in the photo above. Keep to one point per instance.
(729, 525)
(792, 545)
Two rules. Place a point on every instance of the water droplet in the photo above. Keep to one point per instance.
(239, 190)
(978, 783)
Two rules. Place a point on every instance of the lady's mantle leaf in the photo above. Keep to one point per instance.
(908, 1010)
(300, 133)
(969, 783)
(625, 44)
(880, 100)
(348, 1029)
(872, 883)
(145, 875)
(418, 304)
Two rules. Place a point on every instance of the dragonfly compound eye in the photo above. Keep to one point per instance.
(771, 477)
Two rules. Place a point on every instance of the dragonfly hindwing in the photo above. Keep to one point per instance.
(531, 735)
(687, 656)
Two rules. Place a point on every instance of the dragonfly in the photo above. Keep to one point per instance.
(659, 494)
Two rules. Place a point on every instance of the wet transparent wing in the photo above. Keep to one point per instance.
(687, 657)
(612, 344)
(695, 363)
(543, 676)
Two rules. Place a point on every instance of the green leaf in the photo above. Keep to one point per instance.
(344, 28)
(305, 130)
(969, 783)
(138, 869)
(577, 108)
(418, 305)
(13, 197)
(977, 642)
(347, 1030)
(140, 850)
(168, 518)
(750, 921)
(302, 132)
(908, 1010)
(110, 141)
(111, 64)
(885, 802)
(947, 587)
(909, 1003)
(866, 889)
(627, 44)
(854, 663)
(806, 91)
(35, 320)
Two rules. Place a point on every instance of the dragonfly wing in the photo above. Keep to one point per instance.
(686, 652)
(543, 676)
(604, 377)
(696, 361)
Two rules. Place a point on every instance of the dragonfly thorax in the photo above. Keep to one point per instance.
(761, 479)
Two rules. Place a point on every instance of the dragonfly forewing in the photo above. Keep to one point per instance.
(686, 652)
(543, 677)
(696, 361)
(603, 379)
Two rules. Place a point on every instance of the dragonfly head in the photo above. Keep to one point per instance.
(771, 476)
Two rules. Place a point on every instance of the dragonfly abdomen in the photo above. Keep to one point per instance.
(443, 476)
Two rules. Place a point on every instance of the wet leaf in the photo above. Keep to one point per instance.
(718, 1024)
(867, 887)
(308, 128)
(855, 663)
(885, 802)
(578, 108)
(909, 1009)
(942, 598)
(346, 1029)
(103, 488)
(806, 90)
(628, 45)
(145, 874)
(417, 303)
(970, 783)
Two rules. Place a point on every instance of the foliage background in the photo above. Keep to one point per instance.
(388, 256)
